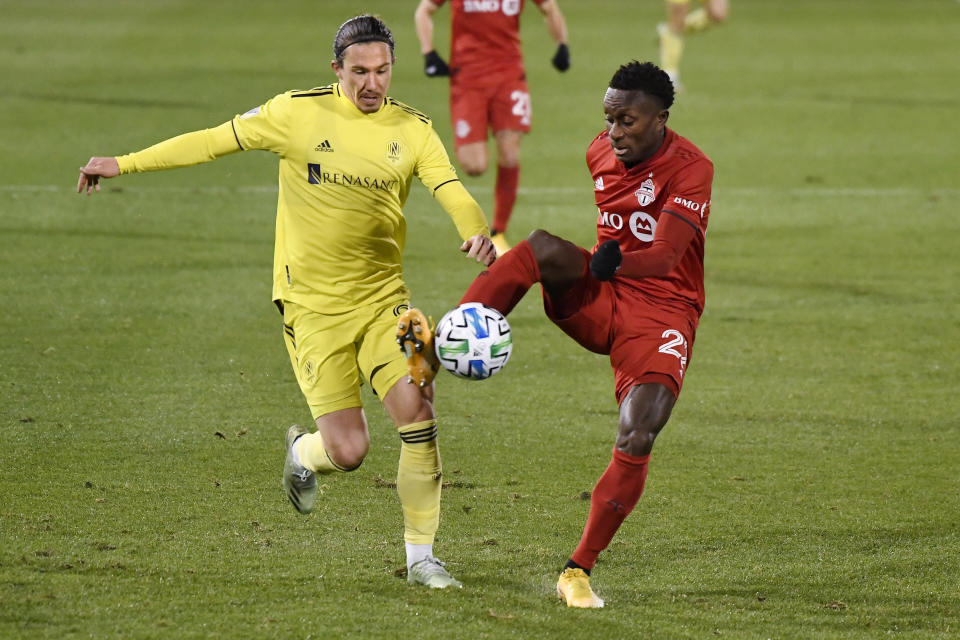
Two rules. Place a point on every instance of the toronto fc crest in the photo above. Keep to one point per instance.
(647, 192)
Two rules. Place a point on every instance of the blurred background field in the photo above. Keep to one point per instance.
(807, 485)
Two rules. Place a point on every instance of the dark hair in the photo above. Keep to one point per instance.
(365, 28)
(646, 77)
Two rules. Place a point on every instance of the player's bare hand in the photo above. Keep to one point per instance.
(95, 169)
(481, 249)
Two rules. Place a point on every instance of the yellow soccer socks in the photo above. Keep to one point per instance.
(671, 50)
(418, 481)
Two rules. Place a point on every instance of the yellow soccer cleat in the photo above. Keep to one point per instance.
(500, 243)
(574, 587)
(415, 337)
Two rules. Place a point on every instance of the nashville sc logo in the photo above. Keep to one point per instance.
(316, 175)
(394, 150)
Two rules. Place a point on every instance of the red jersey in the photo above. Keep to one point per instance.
(675, 181)
(485, 40)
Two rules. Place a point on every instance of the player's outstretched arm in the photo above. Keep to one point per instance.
(96, 168)
(480, 248)
(557, 27)
(182, 151)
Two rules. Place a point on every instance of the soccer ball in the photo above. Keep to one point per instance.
(473, 341)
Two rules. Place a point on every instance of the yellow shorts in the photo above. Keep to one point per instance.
(329, 353)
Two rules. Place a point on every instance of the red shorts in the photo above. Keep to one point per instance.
(500, 107)
(647, 341)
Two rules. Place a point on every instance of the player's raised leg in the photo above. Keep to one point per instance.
(550, 260)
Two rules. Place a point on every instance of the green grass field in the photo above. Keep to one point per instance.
(807, 486)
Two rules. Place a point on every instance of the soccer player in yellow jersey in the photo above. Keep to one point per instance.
(681, 21)
(348, 153)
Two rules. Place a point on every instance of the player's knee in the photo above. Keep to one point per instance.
(348, 454)
(473, 163)
(637, 439)
(545, 245)
(556, 258)
(474, 167)
(508, 156)
(643, 414)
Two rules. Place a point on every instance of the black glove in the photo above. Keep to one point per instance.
(606, 261)
(433, 65)
(561, 59)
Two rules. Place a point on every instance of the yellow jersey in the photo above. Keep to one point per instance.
(344, 178)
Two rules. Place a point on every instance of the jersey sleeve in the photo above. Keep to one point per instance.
(670, 241)
(462, 209)
(688, 195)
(266, 127)
(433, 166)
(182, 151)
(437, 174)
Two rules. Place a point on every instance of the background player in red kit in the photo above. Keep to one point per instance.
(637, 296)
(488, 86)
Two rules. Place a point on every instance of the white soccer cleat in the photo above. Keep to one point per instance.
(430, 572)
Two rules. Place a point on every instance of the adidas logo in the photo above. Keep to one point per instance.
(324, 146)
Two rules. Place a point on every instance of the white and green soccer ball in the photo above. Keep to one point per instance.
(473, 341)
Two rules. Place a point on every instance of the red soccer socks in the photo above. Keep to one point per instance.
(505, 195)
(506, 281)
(614, 497)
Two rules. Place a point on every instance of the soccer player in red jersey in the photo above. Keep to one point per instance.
(637, 296)
(488, 86)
